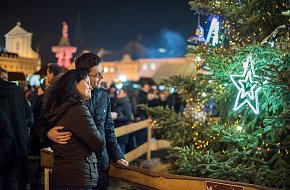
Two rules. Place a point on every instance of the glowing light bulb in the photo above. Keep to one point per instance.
(239, 128)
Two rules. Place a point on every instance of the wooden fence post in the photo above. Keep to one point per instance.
(149, 140)
(46, 179)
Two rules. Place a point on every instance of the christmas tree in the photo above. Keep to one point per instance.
(237, 122)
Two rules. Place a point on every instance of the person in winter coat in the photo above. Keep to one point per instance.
(53, 73)
(112, 92)
(100, 109)
(124, 115)
(142, 99)
(153, 98)
(6, 138)
(75, 164)
(16, 108)
(141, 135)
(35, 144)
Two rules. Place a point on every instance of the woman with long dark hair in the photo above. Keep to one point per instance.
(75, 163)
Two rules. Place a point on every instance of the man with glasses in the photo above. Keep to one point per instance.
(100, 109)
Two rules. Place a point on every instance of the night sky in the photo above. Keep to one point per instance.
(108, 24)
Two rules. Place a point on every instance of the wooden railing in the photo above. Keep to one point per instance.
(147, 147)
(155, 180)
(165, 181)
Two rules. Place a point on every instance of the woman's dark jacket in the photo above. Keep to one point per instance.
(75, 163)
(124, 109)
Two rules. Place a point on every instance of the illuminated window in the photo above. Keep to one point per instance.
(145, 67)
(106, 69)
(153, 66)
(123, 78)
(112, 69)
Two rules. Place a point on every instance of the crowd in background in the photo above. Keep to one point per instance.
(125, 101)
(124, 110)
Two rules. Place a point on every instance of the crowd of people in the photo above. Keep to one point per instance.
(125, 107)
(74, 115)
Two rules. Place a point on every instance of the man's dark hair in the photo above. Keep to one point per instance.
(3, 70)
(125, 89)
(87, 60)
(53, 68)
(144, 83)
(113, 85)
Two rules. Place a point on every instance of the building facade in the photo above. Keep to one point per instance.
(13, 63)
(19, 55)
(132, 70)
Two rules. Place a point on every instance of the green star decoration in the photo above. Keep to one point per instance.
(247, 96)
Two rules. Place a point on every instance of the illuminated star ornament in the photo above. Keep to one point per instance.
(248, 88)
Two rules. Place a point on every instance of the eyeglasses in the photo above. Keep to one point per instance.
(97, 75)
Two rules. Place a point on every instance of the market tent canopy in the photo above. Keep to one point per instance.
(149, 81)
(16, 76)
(167, 70)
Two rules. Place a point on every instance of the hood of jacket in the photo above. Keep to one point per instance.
(8, 88)
(56, 113)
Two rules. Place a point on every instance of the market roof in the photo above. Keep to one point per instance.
(167, 70)
(133, 48)
(16, 76)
